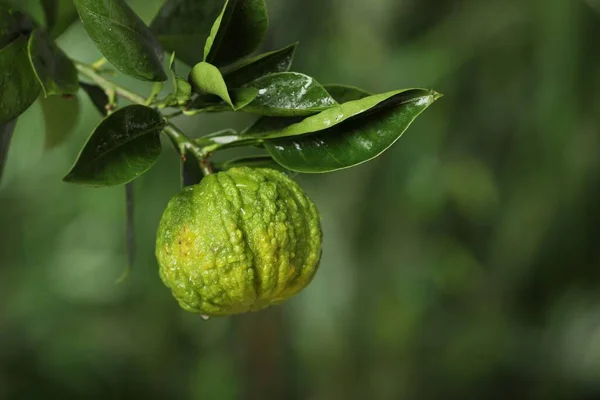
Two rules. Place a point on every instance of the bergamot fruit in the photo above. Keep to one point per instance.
(239, 241)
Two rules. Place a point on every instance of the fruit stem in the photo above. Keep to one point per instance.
(183, 142)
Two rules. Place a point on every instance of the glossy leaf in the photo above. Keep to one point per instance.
(96, 95)
(356, 141)
(6, 132)
(345, 93)
(288, 94)
(53, 69)
(18, 84)
(259, 66)
(281, 127)
(122, 38)
(13, 24)
(124, 146)
(182, 26)
(61, 115)
(240, 31)
(60, 14)
(206, 79)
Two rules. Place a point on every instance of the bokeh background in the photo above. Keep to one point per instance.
(461, 264)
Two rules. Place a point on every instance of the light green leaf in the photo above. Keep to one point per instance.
(182, 90)
(259, 66)
(19, 86)
(122, 38)
(269, 128)
(124, 146)
(206, 79)
(354, 142)
(54, 70)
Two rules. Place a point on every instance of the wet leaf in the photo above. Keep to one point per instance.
(122, 38)
(19, 86)
(353, 142)
(259, 66)
(124, 146)
(54, 70)
(288, 94)
(282, 127)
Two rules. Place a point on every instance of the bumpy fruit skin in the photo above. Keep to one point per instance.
(239, 241)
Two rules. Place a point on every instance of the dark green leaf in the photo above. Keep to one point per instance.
(18, 85)
(124, 146)
(281, 127)
(13, 24)
(345, 93)
(6, 132)
(122, 38)
(355, 141)
(288, 94)
(54, 70)
(206, 79)
(60, 14)
(96, 95)
(61, 115)
(191, 174)
(182, 26)
(265, 161)
(239, 32)
(32, 9)
(130, 224)
(259, 66)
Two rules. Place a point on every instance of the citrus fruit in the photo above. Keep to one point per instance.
(239, 241)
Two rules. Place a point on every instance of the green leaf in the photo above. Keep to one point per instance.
(122, 38)
(60, 14)
(61, 115)
(356, 141)
(124, 146)
(191, 174)
(13, 24)
(182, 26)
(31, 9)
(264, 161)
(6, 132)
(54, 70)
(270, 128)
(238, 32)
(288, 94)
(97, 95)
(18, 85)
(206, 79)
(259, 66)
(157, 87)
(345, 93)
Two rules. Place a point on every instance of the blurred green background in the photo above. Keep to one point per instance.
(461, 264)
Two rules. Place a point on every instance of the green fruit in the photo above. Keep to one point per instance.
(239, 241)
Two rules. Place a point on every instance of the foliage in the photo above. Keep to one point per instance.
(302, 125)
